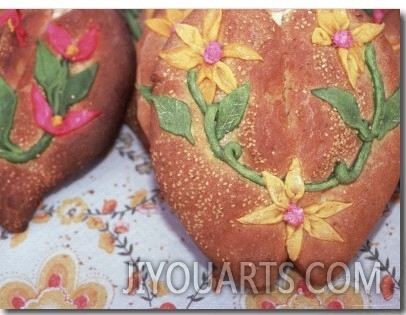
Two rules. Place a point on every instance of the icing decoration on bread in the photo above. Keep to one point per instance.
(203, 50)
(62, 90)
(12, 18)
(166, 26)
(310, 218)
(335, 29)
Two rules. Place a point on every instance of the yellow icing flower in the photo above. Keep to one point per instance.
(285, 197)
(165, 26)
(335, 28)
(204, 50)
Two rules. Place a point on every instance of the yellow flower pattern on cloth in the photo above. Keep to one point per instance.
(165, 26)
(57, 287)
(285, 208)
(335, 28)
(204, 50)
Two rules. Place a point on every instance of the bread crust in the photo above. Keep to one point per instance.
(25, 185)
(283, 121)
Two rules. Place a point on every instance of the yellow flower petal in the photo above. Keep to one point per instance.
(320, 229)
(241, 51)
(186, 12)
(366, 33)
(321, 37)
(174, 15)
(224, 77)
(326, 209)
(294, 241)
(268, 215)
(294, 184)
(333, 20)
(159, 26)
(190, 36)
(206, 71)
(350, 65)
(181, 57)
(208, 89)
(357, 53)
(276, 189)
(211, 25)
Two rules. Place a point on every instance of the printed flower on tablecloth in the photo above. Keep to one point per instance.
(335, 29)
(56, 288)
(107, 242)
(17, 238)
(166, 26)
(300, 297)
(203, 50)
(72, 210)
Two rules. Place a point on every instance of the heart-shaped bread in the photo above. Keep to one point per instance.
(64, 86)
(275, 136)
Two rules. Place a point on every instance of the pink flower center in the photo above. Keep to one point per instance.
(343, 39)
(213, 53)
(294, 215)
(268, 305)
(81, 301)
(54, 280)
(335, 305)
(17, 302)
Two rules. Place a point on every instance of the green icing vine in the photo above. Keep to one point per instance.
(224, 116)
(131, 16)
(62, 90)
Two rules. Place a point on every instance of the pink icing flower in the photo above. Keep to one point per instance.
(213, 53)
(379, 14)
(69, 48)
(343, 39)
(55, 124)
(294, 215)
(13, 19)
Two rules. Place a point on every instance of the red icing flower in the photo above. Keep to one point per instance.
(69, 48)
(379, 14)
(55, 124)
(13, 20)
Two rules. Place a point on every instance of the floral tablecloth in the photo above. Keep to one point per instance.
(82, 248)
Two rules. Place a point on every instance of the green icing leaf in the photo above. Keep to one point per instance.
(8, 104)
(390, 115)
(146, 92)
(174, 116)
(231, 110)
(347, 107)
(50, 73)
(77, 87)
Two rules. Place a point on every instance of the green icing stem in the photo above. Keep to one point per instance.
(378, 87)
(342, 174)
(33, 152)
(195, 92)
(231, 152)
